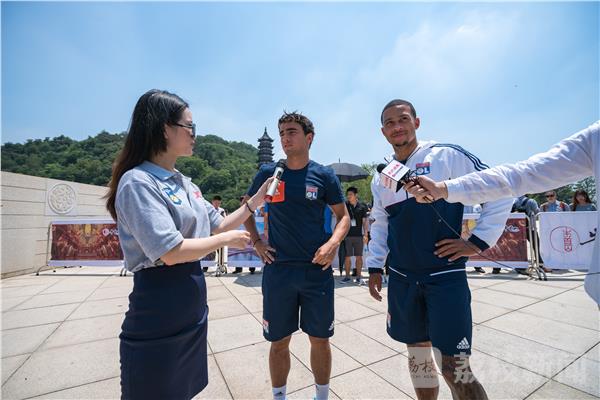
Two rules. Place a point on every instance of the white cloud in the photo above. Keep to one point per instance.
(436, 66)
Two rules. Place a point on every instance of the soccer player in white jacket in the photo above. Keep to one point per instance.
(568, 161)
(429, 302)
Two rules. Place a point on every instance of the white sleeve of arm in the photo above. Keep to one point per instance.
(492, 221)
(494, 214)
(566, 162)
(378, 248)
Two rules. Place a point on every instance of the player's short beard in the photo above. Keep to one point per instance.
(401, 144)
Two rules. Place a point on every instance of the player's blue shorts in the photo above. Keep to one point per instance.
(297, 294)
(431, 308)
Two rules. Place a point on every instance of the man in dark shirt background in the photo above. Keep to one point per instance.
(358, 235)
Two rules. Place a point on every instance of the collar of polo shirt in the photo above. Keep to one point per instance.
(157, 171)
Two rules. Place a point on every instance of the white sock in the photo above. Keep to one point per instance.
(279, 393)
(322, 391)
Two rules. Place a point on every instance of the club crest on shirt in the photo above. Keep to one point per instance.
(423, 168)
(174, 199)
(312, 192)
(197, 194)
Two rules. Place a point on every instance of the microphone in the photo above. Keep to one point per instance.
(279, 167)
(394, 175)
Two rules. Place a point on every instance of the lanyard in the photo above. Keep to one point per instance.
(351, 210)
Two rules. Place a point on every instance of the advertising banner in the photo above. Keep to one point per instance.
(85, 242)
(567, 238)
(511, 248)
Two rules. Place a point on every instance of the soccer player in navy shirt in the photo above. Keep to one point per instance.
(429, 301)
(298, 281)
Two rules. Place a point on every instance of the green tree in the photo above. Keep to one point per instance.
(363, 185)
(589, 185)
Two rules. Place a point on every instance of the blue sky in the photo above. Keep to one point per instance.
(504, 80)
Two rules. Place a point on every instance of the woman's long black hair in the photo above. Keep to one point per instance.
(154, 110)
(578, 192)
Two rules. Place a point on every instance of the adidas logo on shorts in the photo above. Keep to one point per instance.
(389, 320)
(331, 326)
(266, 326)
(463, 345)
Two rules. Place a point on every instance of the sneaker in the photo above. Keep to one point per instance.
(358, 281)
(480, 270)
(345, 280)
(496, 271)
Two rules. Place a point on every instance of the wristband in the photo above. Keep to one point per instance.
(249, 209)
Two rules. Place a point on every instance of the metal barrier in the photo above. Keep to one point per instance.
(534, 267)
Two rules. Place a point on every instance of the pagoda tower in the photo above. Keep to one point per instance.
(265, 149)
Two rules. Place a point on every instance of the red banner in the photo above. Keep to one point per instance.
(510, 249)
(88, 243)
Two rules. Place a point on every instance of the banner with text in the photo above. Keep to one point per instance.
(567, 238)
(511, 248)
(85, 242)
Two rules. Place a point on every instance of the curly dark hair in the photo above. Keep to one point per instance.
(294, 116)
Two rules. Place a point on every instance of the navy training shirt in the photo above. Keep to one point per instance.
(296, 214)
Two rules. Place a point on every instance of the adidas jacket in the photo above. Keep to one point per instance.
(408, 230)
(568, 161)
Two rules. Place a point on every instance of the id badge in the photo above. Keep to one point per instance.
(353, 222)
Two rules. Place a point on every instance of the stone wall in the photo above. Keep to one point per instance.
(28, 204)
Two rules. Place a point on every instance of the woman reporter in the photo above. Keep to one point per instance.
(165, 227)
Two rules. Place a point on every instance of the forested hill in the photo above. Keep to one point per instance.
(217, 166)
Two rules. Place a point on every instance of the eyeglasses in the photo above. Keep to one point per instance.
(550, 195)
(191, 126)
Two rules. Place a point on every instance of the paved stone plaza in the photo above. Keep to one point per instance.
(532, 340)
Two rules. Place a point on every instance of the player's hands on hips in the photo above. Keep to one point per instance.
(325, 255)
(455, 249)
(264, 251)
(375, 286)
(426, 190)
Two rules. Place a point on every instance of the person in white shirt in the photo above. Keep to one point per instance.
(574, 158)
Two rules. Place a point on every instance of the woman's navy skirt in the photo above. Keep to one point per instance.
(163, 338)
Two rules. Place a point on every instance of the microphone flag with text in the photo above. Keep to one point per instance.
(393, 175)
(279, 168)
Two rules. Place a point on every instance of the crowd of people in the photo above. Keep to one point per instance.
(166, 226)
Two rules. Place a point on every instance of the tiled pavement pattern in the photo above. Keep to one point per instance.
(532, 340)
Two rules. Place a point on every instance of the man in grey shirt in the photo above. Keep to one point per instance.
(553, 204)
